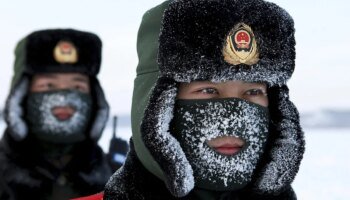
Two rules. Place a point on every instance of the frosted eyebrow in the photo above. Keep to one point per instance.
(43, 79)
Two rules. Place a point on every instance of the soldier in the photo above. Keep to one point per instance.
(211, 115)
(55, 114)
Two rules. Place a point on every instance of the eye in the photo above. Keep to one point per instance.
(255, 92)
(208, 91)
(50, 85)
(46, 86)
(81, 88)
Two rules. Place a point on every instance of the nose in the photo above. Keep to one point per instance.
(232, 93)
(63, 86)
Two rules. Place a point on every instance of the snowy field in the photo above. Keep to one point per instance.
(325, 169)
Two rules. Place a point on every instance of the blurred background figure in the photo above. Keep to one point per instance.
(55, 114)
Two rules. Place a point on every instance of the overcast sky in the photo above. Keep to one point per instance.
(322, 33)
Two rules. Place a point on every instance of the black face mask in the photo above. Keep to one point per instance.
(45, 126)
(197, 121)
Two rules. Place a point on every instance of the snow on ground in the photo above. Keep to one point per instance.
(325, 170)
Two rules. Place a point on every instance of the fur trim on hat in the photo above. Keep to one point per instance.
(14, 114)
(287, 144)
(164, 148)
(102, 112)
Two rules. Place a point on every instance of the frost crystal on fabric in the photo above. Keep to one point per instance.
(198, 121)
(287, 149)
(194, 32)
(45, 125)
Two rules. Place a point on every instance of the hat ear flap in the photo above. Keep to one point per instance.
(14, 114)
(102, 112)
(164, 148)
(287, 146)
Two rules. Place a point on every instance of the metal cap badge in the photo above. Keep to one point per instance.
(65, 53)
(241, 46)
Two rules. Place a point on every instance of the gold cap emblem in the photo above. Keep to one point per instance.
(240, 46)
(65, 52)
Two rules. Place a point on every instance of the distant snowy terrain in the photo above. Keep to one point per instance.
(325, 169)
(327, 118)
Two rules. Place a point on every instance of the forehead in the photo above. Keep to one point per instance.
(61, 77)
(223, 84)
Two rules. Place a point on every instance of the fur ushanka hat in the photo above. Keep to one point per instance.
(55, 51)
(216, 40)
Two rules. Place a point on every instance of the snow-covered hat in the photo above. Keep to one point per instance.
(214, 40)
(220, 40)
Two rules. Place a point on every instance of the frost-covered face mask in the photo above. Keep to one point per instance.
(46, 126)
(197, 121)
